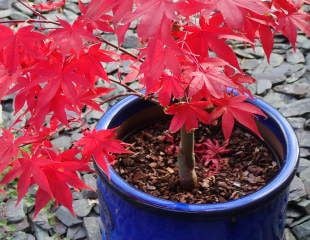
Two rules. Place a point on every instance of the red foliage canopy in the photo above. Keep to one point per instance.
(185, 63)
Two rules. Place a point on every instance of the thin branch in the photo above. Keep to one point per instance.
(119, 48)
(126, 86)
(35, 12)
(29, 21)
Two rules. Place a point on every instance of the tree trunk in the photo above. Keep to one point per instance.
(186, 161)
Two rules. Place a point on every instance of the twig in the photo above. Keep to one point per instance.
(35, 12)
(119, 48)
(29, 21)
(125, 86)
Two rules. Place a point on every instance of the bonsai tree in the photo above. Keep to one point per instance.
(55, 70)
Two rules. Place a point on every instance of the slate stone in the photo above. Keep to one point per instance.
(297, 189)
(22, 226)
(305, 174)
(295, 57)
(303, 42)
(263, 85)
(41, 220)
(64, 215)
(21, 8)
(97, 209)
(276, 74)
(276, 59)
(72, 7)
(296, 89)
(296, 75)
(82, 207)
(288, 234)
(293, 213)
(307, 124)
(41, 234)
(76, 232)
(302, 231)
(92, 226)
(249, 64)
(77, 195)
(91, 181)
(297, 122)
(244, 53)
(62, 142)
(112, 67)
(5, 13)
(303, 138)
(60, 228)
(303, 164)
(131, 41)
(22, 236)
(4, 4)
(277, 100)
(304, 152)
(300, 221)
(14, 213)
(305, 205)
(257, 52)
(296, 108)
(307, 188)
(18, 16)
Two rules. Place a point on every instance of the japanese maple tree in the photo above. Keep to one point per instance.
(185, 63)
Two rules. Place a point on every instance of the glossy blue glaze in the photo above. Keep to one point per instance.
(129, 214)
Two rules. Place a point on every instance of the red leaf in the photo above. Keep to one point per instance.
(210, 36)
(170, 87)
(187, 115)
(49, 6)
(233, 108)
(266, 36)
(101, 145)
(70, 39)
(232, 10)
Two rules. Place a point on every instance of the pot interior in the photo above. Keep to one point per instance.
(153, 113)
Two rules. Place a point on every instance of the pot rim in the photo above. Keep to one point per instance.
(275, 185)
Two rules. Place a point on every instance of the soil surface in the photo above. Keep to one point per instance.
(245, 168)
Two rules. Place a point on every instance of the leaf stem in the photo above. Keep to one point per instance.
(119, 48)
(35, 12)
(29, 21)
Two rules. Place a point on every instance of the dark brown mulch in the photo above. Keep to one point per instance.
(153, 169)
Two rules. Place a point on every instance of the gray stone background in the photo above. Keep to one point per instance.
(284, 83)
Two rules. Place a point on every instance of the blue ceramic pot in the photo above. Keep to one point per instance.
(129, 214)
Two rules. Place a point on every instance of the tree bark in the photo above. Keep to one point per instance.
(186, 161)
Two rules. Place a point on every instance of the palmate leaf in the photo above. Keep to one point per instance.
(235, 108)
(188, 115)
(101, 145)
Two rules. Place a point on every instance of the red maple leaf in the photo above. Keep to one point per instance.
(20, 48)
(290, 20)
(49, 5)
(170, 87)
(209, 79)
(187, 115)
(235, 108)
(212, 35)
(154, 12)
(158, 58)
(233, 13)
(210, 153)
(101, 145)
(71, 39)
